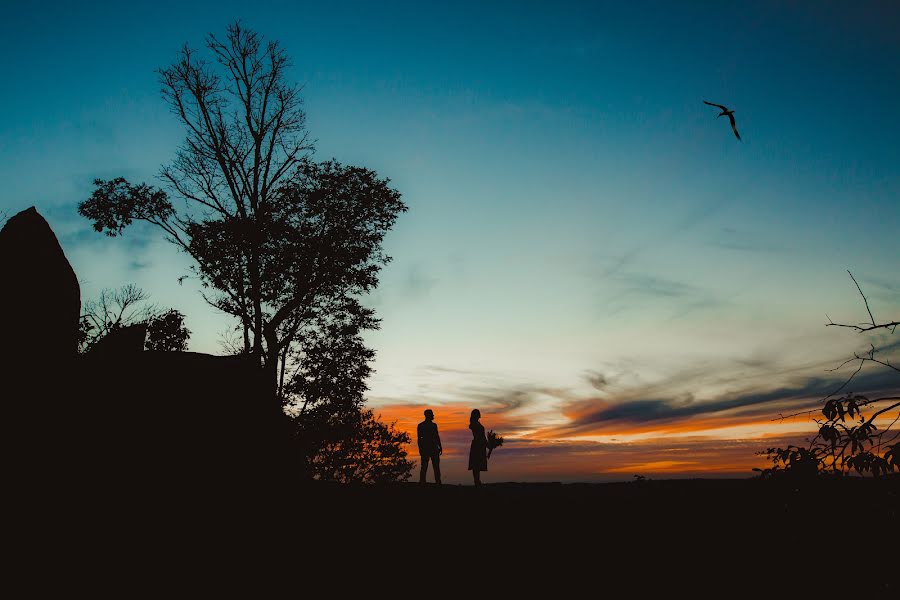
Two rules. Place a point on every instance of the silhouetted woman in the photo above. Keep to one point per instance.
(478, 449)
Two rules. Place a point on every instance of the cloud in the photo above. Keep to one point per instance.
(881, 282)
(633, 411)
(504, 399)
(525, 458)
(734, 239)
(598, 380)
(76, 232)
(418, 282)
(669, 427)
(657, 287)
(631, 282)
(692, 218)
(680, 298)
(882, 289)
(744, 246)
(137, 265)
(441, 369)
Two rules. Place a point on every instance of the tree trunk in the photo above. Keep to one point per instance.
(271, 364)
(256, 298)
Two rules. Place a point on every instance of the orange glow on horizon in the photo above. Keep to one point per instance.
(725, 444)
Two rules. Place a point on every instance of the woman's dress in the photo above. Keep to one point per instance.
(478, 449)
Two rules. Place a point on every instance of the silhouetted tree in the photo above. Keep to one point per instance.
(286, 245)
(847, 439)
(353, 446)
(330, 365)
(115, 309)
(279, 241)
(337, 438)
(166, 332)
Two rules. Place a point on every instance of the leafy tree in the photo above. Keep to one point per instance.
(279, 241)
(337, 438)
(115, 309)
(166, 332)
(286, 245)
(354, 446)
(847, 439)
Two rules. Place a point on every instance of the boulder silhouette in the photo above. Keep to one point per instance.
(128, 340)
(41, 301)
(120, 434)
(158, 419)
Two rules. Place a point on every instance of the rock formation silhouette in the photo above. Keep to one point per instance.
(40, 301)
(128, 339)
(119, 431)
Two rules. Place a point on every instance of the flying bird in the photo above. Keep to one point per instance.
(730, 114)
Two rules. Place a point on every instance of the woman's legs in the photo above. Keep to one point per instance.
(477, 476)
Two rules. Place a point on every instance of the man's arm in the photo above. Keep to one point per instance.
(438, 438)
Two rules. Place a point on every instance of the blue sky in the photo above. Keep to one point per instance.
(575, 209)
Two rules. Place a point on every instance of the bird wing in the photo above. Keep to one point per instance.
(711, 104)
(734, 127)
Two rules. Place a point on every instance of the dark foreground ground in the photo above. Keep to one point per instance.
(703, 538)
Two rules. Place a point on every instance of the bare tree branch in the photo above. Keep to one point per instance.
(837, 447)
(892, 325)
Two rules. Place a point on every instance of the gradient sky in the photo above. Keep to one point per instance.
(590, 257)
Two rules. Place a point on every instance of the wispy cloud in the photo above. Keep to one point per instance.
(419, 282)
(598, 380)
(627, 285)
(881, 288)
(744, 246)
(137, 265)
(655, 286)
(443, 369)
(635, 291)
(636, 410)
(729, 238)
(691, 219)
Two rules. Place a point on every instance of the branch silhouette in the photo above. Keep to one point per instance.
(869, 356)
(838, 448)
(863, 328)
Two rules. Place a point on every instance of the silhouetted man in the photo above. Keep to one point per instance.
(429, 447)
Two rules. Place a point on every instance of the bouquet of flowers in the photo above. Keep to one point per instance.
(493, 441)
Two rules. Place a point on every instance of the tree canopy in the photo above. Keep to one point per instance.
(287, 245)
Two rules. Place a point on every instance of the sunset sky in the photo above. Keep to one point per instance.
(590, 257)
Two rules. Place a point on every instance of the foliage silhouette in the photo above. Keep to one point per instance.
(114, 310)
(166, 332)
(847, 440)
(279, 241)
(285, 245)
(338, 440)
(353, 445)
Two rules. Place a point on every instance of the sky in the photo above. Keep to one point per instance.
(590, 257)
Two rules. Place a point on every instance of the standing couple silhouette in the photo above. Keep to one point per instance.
(430, 448)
